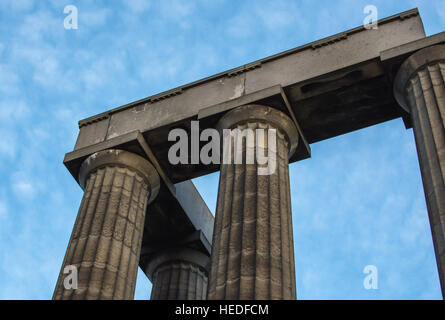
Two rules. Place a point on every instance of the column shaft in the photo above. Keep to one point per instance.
(426, 95)
(420, 89)
(178, 273)
(106, 239)
(179, 280)
(252, 255)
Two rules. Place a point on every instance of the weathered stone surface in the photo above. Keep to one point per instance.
(179, 274)
(179, 281)
(252, 255)
(106, 239)
(420, 89)
(253, 231)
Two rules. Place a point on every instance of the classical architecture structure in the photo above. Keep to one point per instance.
(139, 209)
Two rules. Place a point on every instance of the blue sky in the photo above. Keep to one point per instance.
(358, 201)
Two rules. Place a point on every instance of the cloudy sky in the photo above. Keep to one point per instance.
(358, 201)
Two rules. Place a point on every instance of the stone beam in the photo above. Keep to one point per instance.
(348, 91)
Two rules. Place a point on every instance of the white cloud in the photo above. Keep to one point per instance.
(13, 110)
(137, 6)
(92, 79)
(179, 12)
(23, 186)
(17, 5)
(24, 189)
(415, 226)
(440, 5)
(48, 65)
(40, 25)
(103, 70)
(3, 210)
(9, 80)
(48, 72)
(177, 9)
(278, 14)
(312, 282)
(94, 18)
(165, 66)
(21, 5)
(241, 26)
(8, 143)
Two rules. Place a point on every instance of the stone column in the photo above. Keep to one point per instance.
(179, 274)
(107, 235)
(420, 89)
(252, 254)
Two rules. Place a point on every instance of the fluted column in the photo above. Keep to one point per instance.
(179, 274)
(420, 90)
(252, 254)
(107, 235)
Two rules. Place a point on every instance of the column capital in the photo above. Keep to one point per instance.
(409, 68)
(177, 254)
(115, 157)
(256, 112)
